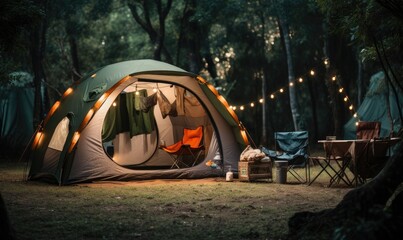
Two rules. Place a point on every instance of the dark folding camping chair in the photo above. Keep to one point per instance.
(373, 153)
(191, 146)
(368, 130)
(293, 148)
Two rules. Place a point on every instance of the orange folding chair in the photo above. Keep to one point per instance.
(191, 146)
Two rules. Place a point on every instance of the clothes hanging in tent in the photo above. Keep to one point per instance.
(180, 104)
(125, 118)
(147, 103)
(139, 122)
(164, 104)
(116, 119)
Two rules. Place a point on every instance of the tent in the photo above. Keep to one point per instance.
(374, 108)
(111, 124)
(16, 116)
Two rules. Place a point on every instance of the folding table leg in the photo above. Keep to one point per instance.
(323, 168)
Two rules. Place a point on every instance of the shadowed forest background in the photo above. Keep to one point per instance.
(283, 65)
(249, 50)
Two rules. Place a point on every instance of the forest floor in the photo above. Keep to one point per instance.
(159, 209)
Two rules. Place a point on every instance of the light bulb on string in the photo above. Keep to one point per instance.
(340, 90)
(355, 115)
(261, 100)
(351, 107)
(291, 84)
(334, 78)
(252, 104)
(242, 108)
(281, 90)
(272, 96)
(312, 72)
(345, 99)
(300, 80)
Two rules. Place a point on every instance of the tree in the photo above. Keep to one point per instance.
(285, 35)
(143, 12)
(37, 50)
(17, 17)
(374, 210)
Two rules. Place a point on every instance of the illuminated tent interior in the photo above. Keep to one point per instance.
(112, 124)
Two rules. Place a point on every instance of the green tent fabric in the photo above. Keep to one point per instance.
(16, 118)
(374, 108)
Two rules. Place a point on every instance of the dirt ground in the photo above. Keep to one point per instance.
(160, 209)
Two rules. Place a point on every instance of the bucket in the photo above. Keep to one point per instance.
(281, 171)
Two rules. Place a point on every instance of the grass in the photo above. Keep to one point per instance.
(158, 209)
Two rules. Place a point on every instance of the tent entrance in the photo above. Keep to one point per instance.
(147, 115)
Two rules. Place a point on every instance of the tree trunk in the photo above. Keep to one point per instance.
(283, 25)
(37, 49)
(264, 108)
(76, 75)
(332, 86)
(189, 43)
(360, 84)
(312, 95)
(156, 35)
(363, 213)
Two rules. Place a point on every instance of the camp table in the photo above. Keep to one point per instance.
(353, 154)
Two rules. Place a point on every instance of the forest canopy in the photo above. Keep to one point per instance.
(286, 54)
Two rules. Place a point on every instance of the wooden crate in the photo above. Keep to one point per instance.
(251, 171)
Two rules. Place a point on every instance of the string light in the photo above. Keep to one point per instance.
(301, 80)
(137, 92)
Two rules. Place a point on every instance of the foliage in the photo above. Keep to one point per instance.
(234, 44)
(360, 24)
(16, 17)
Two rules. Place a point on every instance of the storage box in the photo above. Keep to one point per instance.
(251, 171)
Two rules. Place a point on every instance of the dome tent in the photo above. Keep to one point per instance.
(73, 144)
(374, 108)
